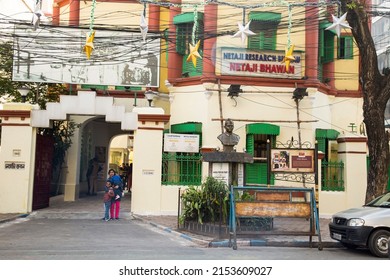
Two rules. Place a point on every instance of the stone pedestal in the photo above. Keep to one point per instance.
(228, 166)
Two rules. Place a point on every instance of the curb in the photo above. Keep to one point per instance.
(246, 243)
(11, 218)
(177, 233)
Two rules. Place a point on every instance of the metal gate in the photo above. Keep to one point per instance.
(43, 171)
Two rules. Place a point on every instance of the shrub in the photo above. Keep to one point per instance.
(207, 203)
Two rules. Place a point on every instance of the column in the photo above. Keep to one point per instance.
(17, 158)
(56, 14)
(175, 60)
(147, 156)
(353, 152)
(210, 28)
(154, 18)
(74, 13)
(311, 37)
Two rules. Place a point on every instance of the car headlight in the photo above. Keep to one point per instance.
(355, 222)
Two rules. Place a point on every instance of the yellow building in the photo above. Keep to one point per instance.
(280, 70)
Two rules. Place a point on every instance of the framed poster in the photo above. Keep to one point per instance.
(290, 160)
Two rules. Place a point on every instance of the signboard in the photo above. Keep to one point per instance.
(186, 143)
(220, 171)
(264, 63)
(290, 160)
(14, 165)
(55, 55)
(240, 174)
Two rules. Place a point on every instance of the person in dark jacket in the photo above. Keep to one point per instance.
(116, 200)
(92, 174)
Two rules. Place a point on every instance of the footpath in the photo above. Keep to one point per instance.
(90, 207)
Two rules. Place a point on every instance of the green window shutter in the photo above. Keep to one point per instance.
(323, 136)
(321, 43)
(184, 27)
(348, 47)
(252, 173)
(264, 40)
(345, 48)
(181, 38)
(250, 144)
(254, 42)
(189, 127)
(188, 66)
(328, 47)
(262, 128)
(326, 43)
(321, 145)
(265, 25)
(268, 40)
(265, 16)
(330, 134)
(256, 173)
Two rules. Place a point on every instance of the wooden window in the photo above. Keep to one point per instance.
(345, 48)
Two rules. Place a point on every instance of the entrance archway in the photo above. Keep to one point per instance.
(107, 117)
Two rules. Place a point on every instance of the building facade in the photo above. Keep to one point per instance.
(280, 71)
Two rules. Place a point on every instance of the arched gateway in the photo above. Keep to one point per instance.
(19, 138)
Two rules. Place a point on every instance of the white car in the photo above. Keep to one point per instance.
(367, 226)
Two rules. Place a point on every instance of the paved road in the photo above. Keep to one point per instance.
(92, 239)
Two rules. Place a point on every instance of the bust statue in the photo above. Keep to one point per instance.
(228, 138)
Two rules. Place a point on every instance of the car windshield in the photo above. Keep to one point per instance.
(381, 201)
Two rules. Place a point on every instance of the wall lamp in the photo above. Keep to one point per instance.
(234, 90)
(23, 92)
(150, 95)
(299, 93)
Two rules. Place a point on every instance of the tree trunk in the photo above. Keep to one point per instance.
(378, 147)
(376, 92)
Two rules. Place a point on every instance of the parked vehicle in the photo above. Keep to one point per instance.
(367, 226)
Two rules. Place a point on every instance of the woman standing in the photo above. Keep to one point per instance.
(116, 181)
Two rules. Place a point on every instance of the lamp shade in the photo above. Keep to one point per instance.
(149, 94)
(23, 91)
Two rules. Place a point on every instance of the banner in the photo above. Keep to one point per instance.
(55, 55)
(263, 63)
(186, 143)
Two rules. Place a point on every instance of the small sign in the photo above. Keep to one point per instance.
(220, 171)
(14, 165)
(290, 160)
(240, 174)
(16, 152)
(147, 172)
(186, 143)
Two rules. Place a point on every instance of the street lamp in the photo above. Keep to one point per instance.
(23, 92)
(150, 95)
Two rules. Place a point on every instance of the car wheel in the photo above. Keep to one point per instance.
(378, 243)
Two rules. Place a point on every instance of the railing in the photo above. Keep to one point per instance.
(183, 169)
(266, 204)
(332, 176)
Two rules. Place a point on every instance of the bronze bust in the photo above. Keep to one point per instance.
(228, 138)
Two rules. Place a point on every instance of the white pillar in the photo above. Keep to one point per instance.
(71, 166)
(353, 152)
(17, 158)
(147, 156)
